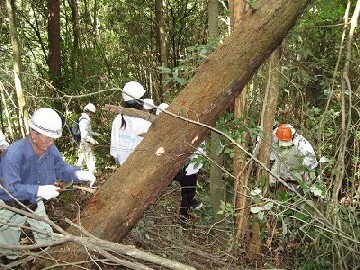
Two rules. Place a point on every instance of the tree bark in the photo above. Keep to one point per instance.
(267, 119)
(23, 112)
(239, 9)
(116, 207)
(54, 57)
(270, 102)
(77, 51)
(161, 41)
(217, 186)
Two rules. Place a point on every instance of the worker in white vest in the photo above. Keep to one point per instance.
(293, 156)
(85, 153)
(128, 131)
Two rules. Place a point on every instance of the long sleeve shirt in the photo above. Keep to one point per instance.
(22, 171)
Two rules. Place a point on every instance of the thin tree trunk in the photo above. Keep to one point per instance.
(217, 186)
(23, 113)
(241, 171)
(161, 40)
(346, 107)
(268, 112)
(267, 119)
(116, 207)
(77, 52)
(54, 57)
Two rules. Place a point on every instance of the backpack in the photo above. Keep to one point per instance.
(75, 130)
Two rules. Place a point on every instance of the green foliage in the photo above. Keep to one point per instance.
(118, 43)
(313, 263)
(187, 66)
(226, 209)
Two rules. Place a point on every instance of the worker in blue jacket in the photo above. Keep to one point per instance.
(28, 171)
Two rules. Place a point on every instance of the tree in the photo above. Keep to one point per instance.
(77, 52)
(54, 57)
(239, 9)
(122, 200)
(23, 113)
(217, 186)
(161, 44)
(268, 112)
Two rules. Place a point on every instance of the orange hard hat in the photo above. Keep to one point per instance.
(284, 133)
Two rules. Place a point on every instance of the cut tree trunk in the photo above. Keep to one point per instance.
(117, 206)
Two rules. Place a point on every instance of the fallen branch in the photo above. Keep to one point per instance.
(131, 112)
(174, 244)
(87, 189)
(104, 247)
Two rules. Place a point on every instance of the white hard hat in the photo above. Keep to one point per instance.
(161, 107)
(3, 143)
(132, 90)
(90, 107)
(47, 122)
(148, 104)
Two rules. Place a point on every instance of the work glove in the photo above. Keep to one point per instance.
(86, 176)
(48, 192)
(93, 141)
(95, 133)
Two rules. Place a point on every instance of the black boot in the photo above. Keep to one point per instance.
(184, 221)
(195, 204)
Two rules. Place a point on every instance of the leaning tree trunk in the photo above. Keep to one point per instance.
(122, 200)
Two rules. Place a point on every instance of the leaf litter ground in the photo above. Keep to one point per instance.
(202, 244)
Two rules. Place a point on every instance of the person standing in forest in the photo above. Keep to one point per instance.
(85, 152)
(293, 156)
(128, 131)
(187, 178)
(28, 171)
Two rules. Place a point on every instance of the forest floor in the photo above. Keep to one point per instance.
(202, 244)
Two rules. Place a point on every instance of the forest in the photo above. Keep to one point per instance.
(231, 70)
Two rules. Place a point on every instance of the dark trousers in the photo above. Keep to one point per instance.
(188, 190)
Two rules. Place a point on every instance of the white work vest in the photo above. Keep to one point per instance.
(288, 164)
(85, 128)
(124, 140)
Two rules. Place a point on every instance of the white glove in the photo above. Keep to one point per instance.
(93, 141)
(48, 192)
(86, 176)
(95, 133)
